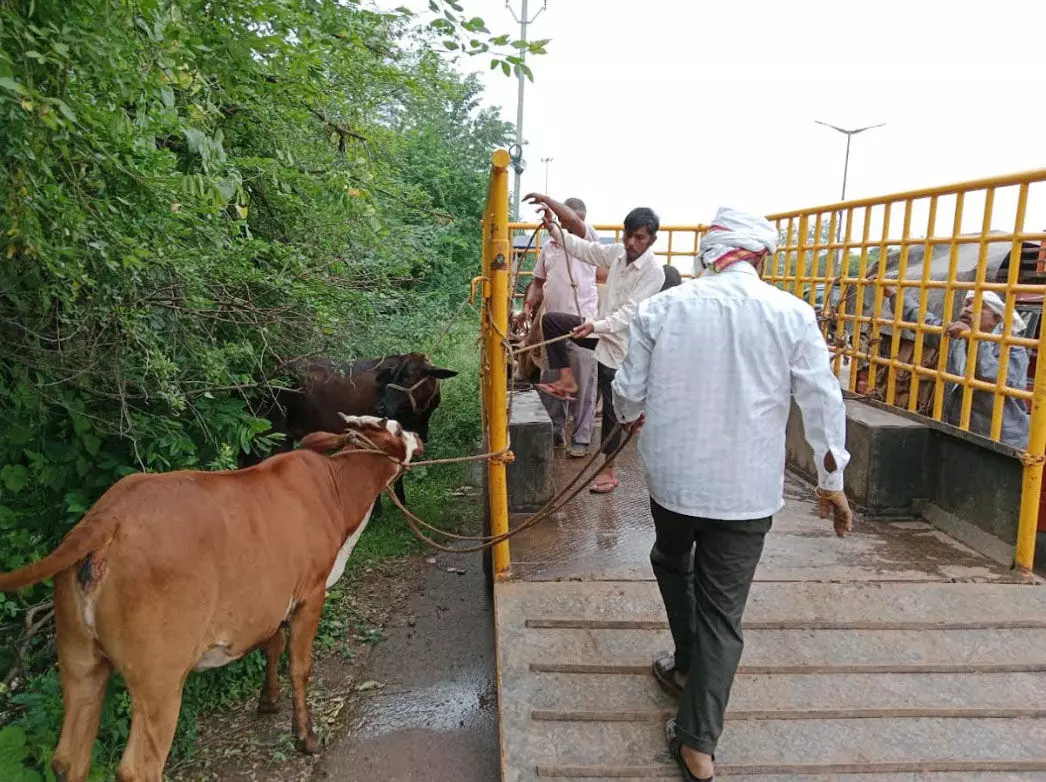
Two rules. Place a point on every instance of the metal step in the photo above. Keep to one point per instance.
(761, 748)
(892, 602)
(802, 651)
(639, 694)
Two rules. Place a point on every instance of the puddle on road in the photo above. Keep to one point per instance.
(444, 706)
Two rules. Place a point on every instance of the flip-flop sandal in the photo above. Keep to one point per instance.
(664, 669)
(545, 388)
(675, 747)
(604, 487)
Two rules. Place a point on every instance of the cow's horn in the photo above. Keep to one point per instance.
(346, 418)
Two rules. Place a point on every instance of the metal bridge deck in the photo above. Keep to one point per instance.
(895, 655)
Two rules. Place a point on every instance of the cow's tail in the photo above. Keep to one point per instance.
(81, 541)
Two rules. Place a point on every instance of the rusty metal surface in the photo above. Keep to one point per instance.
(608, 537)
(896, 654)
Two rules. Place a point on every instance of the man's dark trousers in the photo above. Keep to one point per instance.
(559, 324)
(704, 599)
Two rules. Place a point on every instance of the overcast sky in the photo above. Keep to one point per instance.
(683, 105)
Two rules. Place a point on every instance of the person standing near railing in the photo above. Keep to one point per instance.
(633, 275)
(711, 369)
(564, 284)
(1015, 419)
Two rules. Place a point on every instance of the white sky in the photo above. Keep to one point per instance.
(683, 106)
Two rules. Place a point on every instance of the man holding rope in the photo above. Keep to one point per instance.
(565, 284)
(711, 369)
(633, 274)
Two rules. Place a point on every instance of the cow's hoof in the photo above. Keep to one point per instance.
(268, 706)
(309, 745)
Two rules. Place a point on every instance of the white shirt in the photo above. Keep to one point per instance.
(713, 363)
(559, 294)
(627, 285)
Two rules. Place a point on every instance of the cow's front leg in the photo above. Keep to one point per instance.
(304, 622)
(269, 702)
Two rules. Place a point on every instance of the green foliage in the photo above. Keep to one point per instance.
(190, 194)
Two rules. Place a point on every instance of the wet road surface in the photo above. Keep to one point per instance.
(435, 718)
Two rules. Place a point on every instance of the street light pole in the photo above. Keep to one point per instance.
(846, 170)
(546, 161)
(849, 135)
(518, 166)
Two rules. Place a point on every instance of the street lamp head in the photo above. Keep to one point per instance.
(848, 132)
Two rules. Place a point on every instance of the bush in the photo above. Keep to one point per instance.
(193, 193)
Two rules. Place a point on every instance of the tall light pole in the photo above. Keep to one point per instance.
(849, 135)
(846, 168)
(518, 163)
(546, 161)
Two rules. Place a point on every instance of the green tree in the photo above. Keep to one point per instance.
(191, 193)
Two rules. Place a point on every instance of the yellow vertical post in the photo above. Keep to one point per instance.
(497, 413)
(949, 296)
(973, 340)
(1031, 480)
(1010, 299)
(875, 349)
(898, 308)
(924, 291)
(844, 289)
(800, 254)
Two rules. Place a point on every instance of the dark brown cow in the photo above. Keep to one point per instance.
(174, 572)
(404, 388)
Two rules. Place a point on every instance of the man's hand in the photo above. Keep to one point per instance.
(548, 219)
(889, 291)
(521, 318)
(957, 330)
(636, 425)
(535, 198)
(583, 330)
(835, 502)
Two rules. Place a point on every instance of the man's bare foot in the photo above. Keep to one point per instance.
(699, 763)
(557, 390)
(605, 482)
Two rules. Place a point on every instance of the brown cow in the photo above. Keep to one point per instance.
(174, 572)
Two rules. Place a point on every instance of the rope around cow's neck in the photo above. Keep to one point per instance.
(560, 500)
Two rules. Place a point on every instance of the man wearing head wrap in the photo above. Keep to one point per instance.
(711, 370)
(1015, 417)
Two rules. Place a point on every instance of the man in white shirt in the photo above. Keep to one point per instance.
(711, 369)
(633, 274)
(564, 284)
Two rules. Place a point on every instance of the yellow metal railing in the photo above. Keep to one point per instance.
(494, 375)
(840, 257)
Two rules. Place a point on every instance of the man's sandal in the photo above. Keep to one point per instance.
(675, 747)
(664, 669)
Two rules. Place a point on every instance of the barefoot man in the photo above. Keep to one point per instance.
(633, 274)
(711, 370)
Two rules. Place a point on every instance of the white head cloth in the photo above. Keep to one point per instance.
(994, 302)
(734, 236)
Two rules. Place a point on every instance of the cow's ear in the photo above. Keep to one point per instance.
(439, 372)
(322, 441)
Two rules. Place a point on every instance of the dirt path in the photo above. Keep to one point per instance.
(435, 717)
(415, 663)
